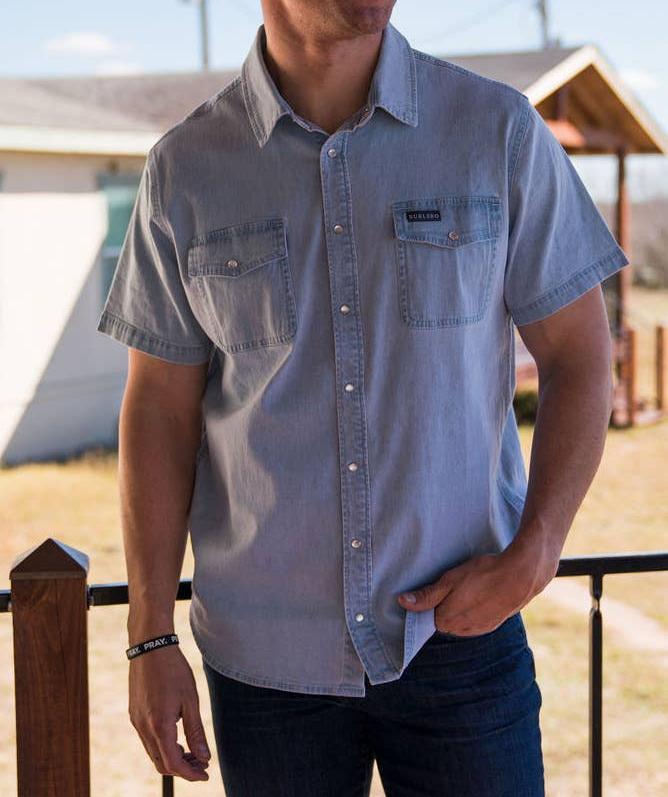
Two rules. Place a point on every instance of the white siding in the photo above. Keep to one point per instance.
(60, 380)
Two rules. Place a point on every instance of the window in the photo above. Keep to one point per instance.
(120, 190)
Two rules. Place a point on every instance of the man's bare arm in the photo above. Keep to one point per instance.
(159, 435)
(573, 353)
(572, 350)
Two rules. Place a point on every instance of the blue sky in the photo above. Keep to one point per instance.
(83, 37)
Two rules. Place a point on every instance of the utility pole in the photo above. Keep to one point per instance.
(204, 31)
(544, 12)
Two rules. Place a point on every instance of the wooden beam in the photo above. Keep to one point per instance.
(573, 137)
(566, 133)
(623, 276)
(661, 359)
(598, 138)
(561, 101)
(630, 376)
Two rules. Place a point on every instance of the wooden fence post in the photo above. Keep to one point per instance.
(49, 604)
(631, 364)
(661, 358)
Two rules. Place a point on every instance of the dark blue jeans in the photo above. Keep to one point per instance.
(462, 721)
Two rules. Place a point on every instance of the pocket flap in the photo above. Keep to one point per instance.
(449, 221)
(233, 250)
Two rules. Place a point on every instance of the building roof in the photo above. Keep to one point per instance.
(123, 114)
(519, 69)
(124, 102)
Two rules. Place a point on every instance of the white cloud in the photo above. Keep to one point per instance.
(82, 43)
(118, 68)
(640, 79)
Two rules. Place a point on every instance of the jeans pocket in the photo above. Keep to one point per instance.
(511, 624)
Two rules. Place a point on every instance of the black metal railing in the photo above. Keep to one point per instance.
(595, 567)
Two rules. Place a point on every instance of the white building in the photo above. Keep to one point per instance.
(71, 152)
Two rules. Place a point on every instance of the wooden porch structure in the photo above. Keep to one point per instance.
(591, 112)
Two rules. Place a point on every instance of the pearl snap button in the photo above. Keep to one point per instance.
(359, 617)
(453, 235)
(356, 543)
(332, 153)
(338, 228)
(352, 466)
(349, 387)
(344, 308)
(232, 263)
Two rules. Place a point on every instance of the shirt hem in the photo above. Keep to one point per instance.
(287, 686)
(124, 332)
(574, 287)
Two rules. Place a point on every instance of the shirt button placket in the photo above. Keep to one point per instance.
(348, 351)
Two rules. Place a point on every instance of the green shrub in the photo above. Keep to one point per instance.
(525, 404)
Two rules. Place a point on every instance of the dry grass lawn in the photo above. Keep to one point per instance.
(647, 308)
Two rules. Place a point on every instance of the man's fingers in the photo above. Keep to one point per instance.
(427, 596)
(166, 738)
(151, 747)
(156, 757)
(194, 730)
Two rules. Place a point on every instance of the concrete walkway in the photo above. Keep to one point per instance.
(633, 627)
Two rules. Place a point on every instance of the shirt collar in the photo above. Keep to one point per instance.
(393, 84)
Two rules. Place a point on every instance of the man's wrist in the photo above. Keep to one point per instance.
(535, 550)
(147, 625)
(148, 645)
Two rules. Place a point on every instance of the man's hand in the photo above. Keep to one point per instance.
(478, 595)
(163, 689)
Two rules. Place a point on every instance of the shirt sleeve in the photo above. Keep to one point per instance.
(147, 307)
(559, 245)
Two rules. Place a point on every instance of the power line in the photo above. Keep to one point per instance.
(482, 16)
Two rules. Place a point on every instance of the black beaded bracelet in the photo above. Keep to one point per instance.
(151, 644)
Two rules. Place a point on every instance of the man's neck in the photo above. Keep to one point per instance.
(325, 82)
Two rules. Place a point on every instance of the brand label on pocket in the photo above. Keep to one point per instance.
(423, 215)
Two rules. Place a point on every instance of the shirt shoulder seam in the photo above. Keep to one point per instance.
(442, 62)
(202, 109)
(519, 141)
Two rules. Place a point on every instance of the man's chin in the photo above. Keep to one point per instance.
(367, 17)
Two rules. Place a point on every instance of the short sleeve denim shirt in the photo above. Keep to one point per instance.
(354, 295)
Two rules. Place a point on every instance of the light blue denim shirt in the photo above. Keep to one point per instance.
(354, 295)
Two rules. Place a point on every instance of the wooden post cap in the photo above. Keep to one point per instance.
(50, 559)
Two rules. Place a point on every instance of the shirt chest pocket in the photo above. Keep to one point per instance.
(242, 273)
(445, 254)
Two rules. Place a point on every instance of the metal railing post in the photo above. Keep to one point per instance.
(595, 686)
(661, 359)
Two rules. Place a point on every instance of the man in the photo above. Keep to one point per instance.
(318, 288)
